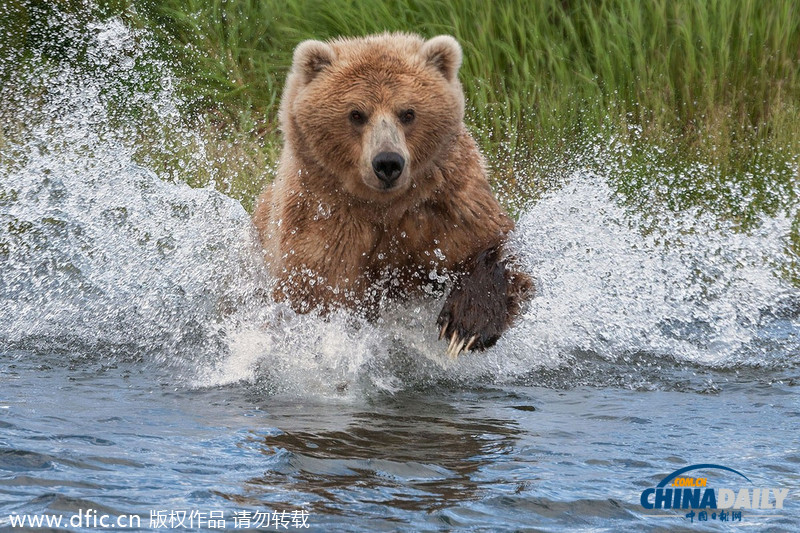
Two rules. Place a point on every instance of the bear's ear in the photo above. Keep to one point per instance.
(443, 53)
(311, 58)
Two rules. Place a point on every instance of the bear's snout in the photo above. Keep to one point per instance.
(388, 166)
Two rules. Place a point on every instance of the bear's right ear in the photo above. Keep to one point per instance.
(310, 58)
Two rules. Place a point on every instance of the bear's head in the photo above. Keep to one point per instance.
(372, 116)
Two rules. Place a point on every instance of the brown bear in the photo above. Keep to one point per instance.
(381, 192)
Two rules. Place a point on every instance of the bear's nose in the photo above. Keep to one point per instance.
(388, 166)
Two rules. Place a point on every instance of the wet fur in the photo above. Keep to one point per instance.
(332, 240)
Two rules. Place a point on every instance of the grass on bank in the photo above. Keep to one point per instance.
(716, 82)
(673, 82)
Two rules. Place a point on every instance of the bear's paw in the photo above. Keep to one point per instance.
(483, 303)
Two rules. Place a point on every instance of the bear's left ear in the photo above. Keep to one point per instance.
(312, 57)
(444, 53)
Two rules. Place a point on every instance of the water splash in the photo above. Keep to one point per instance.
(103, 255)
(689, 287)
(98, 252)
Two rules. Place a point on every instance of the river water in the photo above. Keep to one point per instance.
(142, 372)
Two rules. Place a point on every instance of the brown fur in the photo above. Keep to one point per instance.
(334, 235)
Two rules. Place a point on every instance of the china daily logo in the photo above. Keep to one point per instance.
(694, 493)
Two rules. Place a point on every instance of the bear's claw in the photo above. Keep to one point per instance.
(471, 341)
(456, 344)
(443, 330)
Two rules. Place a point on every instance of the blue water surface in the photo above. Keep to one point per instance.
(77, 434)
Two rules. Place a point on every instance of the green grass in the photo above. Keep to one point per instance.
(678, 82)
(716, 82)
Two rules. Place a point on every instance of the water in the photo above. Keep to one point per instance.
(142, 369)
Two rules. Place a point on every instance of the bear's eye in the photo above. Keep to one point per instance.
(407, 116)
(357, 117)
